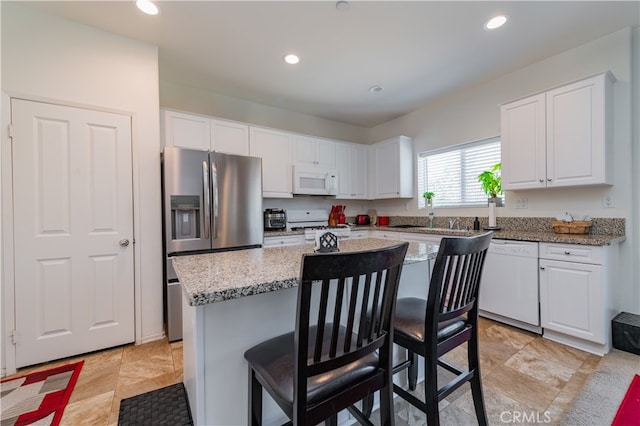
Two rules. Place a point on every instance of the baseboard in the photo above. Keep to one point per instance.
(574, 342)
(151, 338)
(509, 321)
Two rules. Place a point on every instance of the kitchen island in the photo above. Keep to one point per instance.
(234, 300)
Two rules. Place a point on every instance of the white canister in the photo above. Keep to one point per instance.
(492, 214)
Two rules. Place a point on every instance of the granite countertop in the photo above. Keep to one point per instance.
(502, 234)
(536, 236)
(216, 277)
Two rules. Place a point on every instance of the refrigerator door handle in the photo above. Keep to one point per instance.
(214, 186)
(207, 199)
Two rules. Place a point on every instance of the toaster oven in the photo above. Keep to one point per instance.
(275, 219)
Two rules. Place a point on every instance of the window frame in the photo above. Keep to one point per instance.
(422, 173)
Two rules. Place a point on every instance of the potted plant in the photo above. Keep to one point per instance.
(492, 183)
(428, 196)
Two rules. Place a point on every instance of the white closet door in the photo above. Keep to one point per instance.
(73, 212)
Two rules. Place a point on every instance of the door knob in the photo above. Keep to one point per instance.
(124, 242)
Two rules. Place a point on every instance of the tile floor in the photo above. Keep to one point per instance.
(523, 375)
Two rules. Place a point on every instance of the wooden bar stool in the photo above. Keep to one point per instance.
(445, 320)
(335, 357)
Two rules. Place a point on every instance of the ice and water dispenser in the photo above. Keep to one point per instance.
(185, 217)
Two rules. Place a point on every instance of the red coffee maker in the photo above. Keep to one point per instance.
(337, 217)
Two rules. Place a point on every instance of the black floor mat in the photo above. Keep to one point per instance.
(166, 406)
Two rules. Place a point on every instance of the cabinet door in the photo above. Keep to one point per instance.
(394, 168)
(275, 150)
(304, 148)
(360, 171)
(577, 151)
(523, 143)
(387, 164)
(229, 137)
(352, 167)
(345, 172)
(571, 299)
(325, 154)
(186, 130)
(312, 152)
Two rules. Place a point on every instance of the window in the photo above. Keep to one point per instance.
(452, 173)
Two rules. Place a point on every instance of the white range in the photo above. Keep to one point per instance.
(314, 222)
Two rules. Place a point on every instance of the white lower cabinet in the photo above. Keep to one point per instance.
(285, 240)
(358, 234)
(576, 295)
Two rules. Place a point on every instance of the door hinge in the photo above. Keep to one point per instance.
(10, 130)
(13, 337)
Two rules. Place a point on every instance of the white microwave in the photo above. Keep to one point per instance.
(312, 181)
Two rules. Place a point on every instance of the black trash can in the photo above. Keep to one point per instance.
(626, 332)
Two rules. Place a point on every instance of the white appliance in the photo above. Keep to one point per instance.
(312, 181)
(314, 222)
(509, 288)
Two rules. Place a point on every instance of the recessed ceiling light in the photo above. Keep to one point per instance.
(342, 5)
(376, 89)
(291, 59)
(495, 22)
(147, 7)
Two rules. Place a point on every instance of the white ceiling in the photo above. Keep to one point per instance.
(417, 50)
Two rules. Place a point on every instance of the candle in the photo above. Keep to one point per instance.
(492, 215)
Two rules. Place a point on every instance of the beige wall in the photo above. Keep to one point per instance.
(46, 58)
(210, 103)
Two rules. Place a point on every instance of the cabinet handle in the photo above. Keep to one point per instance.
(542, 268)
(541, 180)
(567, 252)
(548, 179)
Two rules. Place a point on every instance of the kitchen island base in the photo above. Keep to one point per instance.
(216, 335)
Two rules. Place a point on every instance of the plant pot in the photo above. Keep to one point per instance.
(497, 200)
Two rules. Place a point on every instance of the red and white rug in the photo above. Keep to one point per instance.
(40, 397)
(629, 411)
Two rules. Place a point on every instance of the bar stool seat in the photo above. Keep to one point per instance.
(273, 360)
(410, 308)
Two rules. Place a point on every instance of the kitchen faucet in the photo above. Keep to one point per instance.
(453, 222)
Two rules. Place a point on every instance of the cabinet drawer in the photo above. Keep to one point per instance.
(291, 240)
(358, 234)
(572, 253)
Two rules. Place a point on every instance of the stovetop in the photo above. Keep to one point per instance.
(318, 227)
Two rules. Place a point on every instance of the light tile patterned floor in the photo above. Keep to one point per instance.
(522, 374)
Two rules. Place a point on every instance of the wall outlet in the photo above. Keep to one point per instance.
(607, 201)
(522, 203)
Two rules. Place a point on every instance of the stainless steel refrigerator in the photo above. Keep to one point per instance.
(212, 202)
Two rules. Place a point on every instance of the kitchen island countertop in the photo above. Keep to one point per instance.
(216, 277)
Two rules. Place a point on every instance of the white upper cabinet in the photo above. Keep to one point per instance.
(312, 152)
(523, 142)
(229, 137)
(186, 130)
(195, 131)
(274, 148)
(559, 138)
(352, 167)
(393, 168)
